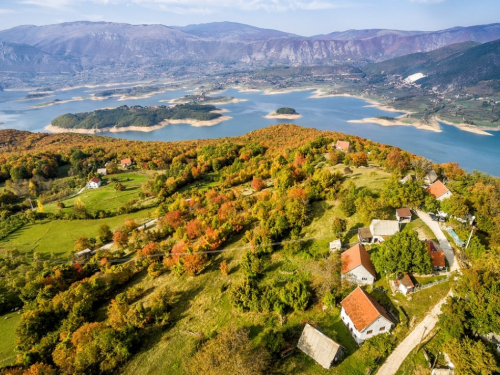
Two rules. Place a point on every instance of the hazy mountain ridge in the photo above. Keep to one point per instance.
(152, 50)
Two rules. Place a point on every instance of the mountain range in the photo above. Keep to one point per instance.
(89, 49)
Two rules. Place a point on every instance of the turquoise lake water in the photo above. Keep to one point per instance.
(471, 151)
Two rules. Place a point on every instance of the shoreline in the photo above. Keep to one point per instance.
(146, 129)
(207, 102)
(274, 115)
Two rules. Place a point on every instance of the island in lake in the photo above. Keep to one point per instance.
(136, 118)
(202, 98)
(284, 113)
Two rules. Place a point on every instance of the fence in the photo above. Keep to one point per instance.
(419, 288)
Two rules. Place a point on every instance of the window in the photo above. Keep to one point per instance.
(364, 278)
(382, 328)
(369, 332)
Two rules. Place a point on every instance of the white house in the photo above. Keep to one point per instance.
(363, 316)
(126, 162)
(378, 231)
(102, 171)
(357, 265)
(403, 215)
(319, 347)
(335, 245)
(94, 183)
(439, 190)
(405, 285)
(342, 146)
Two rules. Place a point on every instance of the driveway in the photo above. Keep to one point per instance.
(418, 334)
(443, 241)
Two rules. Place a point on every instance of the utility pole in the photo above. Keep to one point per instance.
(470, 236)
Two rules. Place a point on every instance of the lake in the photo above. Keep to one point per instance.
(470, 150)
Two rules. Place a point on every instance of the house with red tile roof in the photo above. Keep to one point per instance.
(357, 265)
(439, 190)
(403, 215)
(342, 146)
(438, 259)
(126, 162)
(363, 316)
(94, 183)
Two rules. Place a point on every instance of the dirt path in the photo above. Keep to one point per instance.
(418, 334)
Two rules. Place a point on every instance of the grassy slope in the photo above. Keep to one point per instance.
(8, 337)
(106, 197)
(47, 235)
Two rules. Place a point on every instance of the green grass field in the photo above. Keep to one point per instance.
(8, 339)
(58, 236)
(106, 197)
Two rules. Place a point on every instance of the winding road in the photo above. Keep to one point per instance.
(421, 330)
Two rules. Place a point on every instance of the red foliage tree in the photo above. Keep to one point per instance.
(193, 229)
(174, 219)
(120, 239)
(193, 263)
(258, 184)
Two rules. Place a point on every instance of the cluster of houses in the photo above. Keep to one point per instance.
(360, 312)
(96, 182)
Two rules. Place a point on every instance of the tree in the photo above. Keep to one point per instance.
(339, 226)
(119, 186)
(251, 265)
(79, 208)
(455, 205)
(231, 352)
(112, 168)
(402, 253)
(326, 275)
(40, 208)
(258, 184)
(224, 268)
(470, 357)
(120, 239)
(104, 233)
(397, 162)
(81, 243)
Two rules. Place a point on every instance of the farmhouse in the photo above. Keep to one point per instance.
(319, 347)
(405, 285)
(363, 316)
(403, 215)
(126, 162)
(357, 265)
(438, 262)
(439, 191)
(430, 177)
(342, 146)
(378, 231)
(94, 183)
(84, 254)
(102, 171)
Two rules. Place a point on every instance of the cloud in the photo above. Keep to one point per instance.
(427, 1)
(7, 11)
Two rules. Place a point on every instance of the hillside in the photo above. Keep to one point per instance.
(122, 51)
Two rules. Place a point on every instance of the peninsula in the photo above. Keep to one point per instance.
(136, 118)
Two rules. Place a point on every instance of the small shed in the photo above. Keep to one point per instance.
(403, 215)
(102, 171)
(405, 285)
(335, 245)
(319, 347)
(82, 255)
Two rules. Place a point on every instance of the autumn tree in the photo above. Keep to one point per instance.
(224, 268)
(230, 352)
(112, 168)
(455, 205)
(258, 184)
(81, 243)
(470, 357)
(104, 233)
(120, 239)
(397, 162)
(326, 275)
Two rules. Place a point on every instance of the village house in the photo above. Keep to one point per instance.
(430, 177)
(438, 258)
(126, 162)
(378, 231)
(404, 284)
(94, 183)
(319, 347)
(439, 191)
(403, 215)
(335, 245)
(357, 265)
(83, 255)
(342, 146)
(363, 316)
(102, 171)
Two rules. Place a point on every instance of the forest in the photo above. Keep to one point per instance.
(237, 260)
(126, 116)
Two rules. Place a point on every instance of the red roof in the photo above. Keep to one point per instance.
(343, 145)
(436, 256)
(96, 180)
(403, 212)
(406, 281)
(437, 189)
(357, 256)
(126, 161)
(362, 309)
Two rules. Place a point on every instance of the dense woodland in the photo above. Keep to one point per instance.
(79, 318)
(126, 116)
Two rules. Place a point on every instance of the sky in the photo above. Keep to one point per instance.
(300, 17)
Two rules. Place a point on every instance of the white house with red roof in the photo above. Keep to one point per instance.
(94, 183)
(439, 190)
(363, 316)
(126, 162)
(342, 146)
(357, 265)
